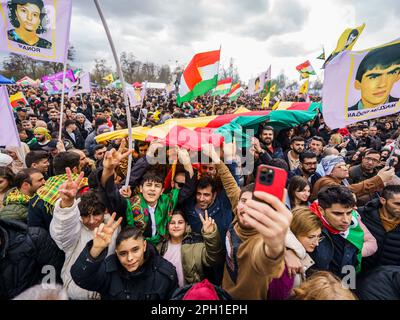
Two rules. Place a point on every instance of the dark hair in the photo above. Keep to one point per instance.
(68, 122)
(266, 128)
(371, 151)
(12, 7)
(297, 183)
(306, 155)
(91, 204)
(177, 211)
(382, 57)
(99, 121)
(205, 182)
(335, 194)
(152, 176)
(64, 160)
(24, 176)
(98, 147)
(354, 129)
(127, 233)
(248, 188)
(320, 139)
(6, 172)
(296, 138)
(279, 163)
(34, 157)
(389, 191)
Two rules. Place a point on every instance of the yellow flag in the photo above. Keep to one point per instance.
(276, 105)
(346, 41)
(265, 102)
(304, 87)
(273, 89)
(109, 78)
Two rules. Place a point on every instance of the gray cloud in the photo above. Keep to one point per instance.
(284, 49)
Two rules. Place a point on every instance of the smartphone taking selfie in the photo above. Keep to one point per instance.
(271, 180)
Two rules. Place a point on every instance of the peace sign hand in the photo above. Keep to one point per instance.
(208, 223)
(69, 189)
(113, 158)
(102, 235)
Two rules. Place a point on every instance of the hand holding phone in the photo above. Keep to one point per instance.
(271, 180)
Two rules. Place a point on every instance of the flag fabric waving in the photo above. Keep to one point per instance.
(49, 38)
(109, 78)
(81, 85)
(15, 98)
(322, 55)
(256, 85)
(265, 102)
(273, 88)
(223, 87)
(199, 76)
(235, 92)
(305, 69)
(362, 85)
(304, 87)
(346, 42)
(8, 130)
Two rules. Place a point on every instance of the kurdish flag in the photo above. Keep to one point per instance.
(235, 92)
(223, 87)
(305, 69)
(200, 76)
(15, 98)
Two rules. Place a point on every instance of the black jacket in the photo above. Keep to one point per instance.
(388, 252)
(79, 142)
(382, 283)
(24, 252)
(155, 280)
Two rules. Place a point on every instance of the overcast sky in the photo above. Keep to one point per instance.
(254, 33)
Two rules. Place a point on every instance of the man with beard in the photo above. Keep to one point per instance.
(317, 146)
(307, 168)
(292, 156)
(266, 138)
(43, 138)
(367, 169)
(382, 218)
(54, 117)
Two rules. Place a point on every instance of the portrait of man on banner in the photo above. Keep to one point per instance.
(29, 20)
(376, 75)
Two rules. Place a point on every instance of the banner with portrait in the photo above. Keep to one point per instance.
(52, 84)
(256, 85)
(81, 85)
(361, 85)
(36, 28)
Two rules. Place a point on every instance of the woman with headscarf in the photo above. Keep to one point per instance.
(83, 124)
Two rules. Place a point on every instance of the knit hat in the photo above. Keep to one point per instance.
(5, 160)
(329, 162)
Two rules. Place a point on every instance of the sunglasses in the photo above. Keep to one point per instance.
(179, 184)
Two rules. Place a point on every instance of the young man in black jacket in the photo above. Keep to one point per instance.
(24, 252)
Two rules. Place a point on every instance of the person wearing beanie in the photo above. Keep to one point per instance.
(336, 172)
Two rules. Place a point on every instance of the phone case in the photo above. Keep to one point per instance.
(275, 185)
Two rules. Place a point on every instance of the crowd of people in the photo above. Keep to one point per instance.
(188, 230)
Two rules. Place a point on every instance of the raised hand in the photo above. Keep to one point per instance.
(183, 156)
(69, 189)
(209, 151)
(230, 150)
(154, 146)
(126, 192)
(102, 235)
(271, 219)
(208, 223)
(113, 157)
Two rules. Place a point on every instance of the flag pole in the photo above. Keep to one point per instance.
(215, 89)
(62, 102)
(121, 78)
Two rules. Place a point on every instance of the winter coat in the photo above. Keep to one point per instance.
(14, 209)
(71, 236)
(197, 251)
(156, 279)
(24, 252)
(381, 283)
(388, 242)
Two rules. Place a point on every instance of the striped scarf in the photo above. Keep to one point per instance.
(15, 196)
(49, 192)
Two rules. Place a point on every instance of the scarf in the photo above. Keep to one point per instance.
(15, 196)
(49, 192)
(388, 224)
(138, 214)
(354, 234)
(43, 131)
